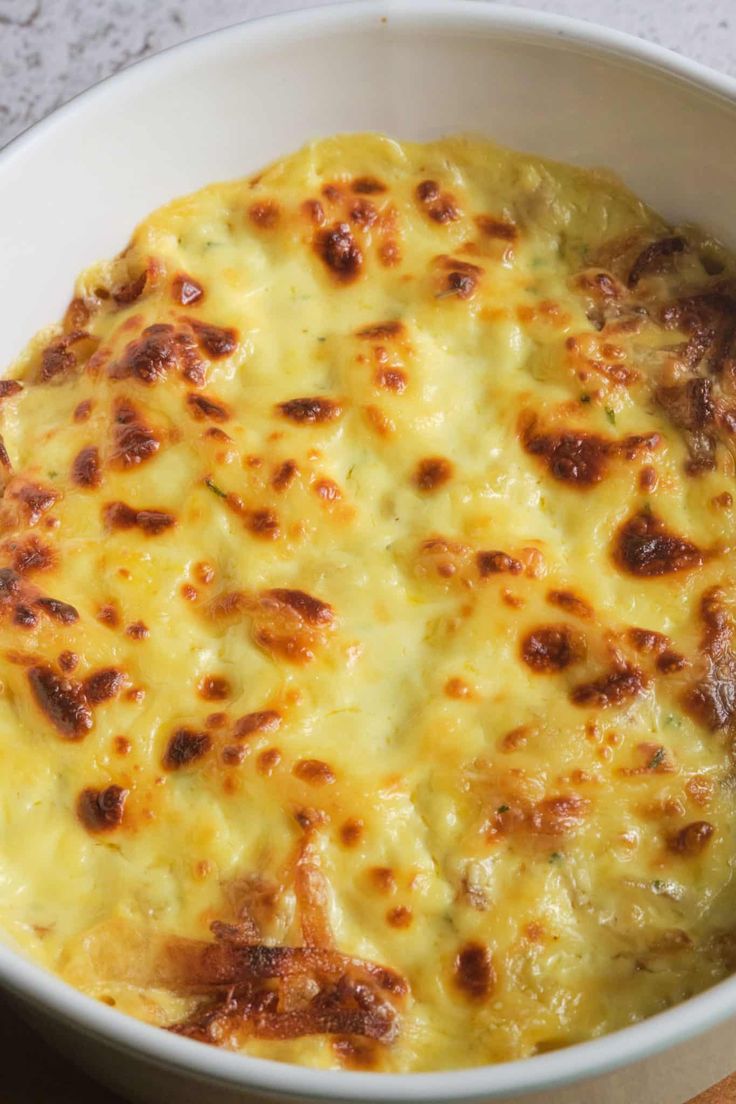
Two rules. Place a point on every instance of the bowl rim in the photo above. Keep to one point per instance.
(43, 991)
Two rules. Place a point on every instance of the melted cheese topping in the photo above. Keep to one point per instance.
(366, 587)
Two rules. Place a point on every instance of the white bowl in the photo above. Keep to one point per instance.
(70, 192)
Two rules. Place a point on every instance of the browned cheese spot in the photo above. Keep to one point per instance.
(497, 563)
(58, 358)
(256, 983)
(648, 479)
(58, 611)
(310, 411)
(314, 772)
(9, 387)
(216, 341)
(351, 831)
(291, 624)
(267, 720)
(10, 586)
(232, 755)
(284, 475)
(118, 515)
(571, 603)
(474, 972)
(458, 689)
(109, 615)
(438, 205)
(204, 572)
(214, 688)
(615, 688)
(647, 641)
(391, 379)
(86, 471)
(432, 473)
(382, 879)
(82, 410)
(160, 349)
(363, 212)
(400, 916)
(646, 548)
(133, 441)
(102, 810)
(711, 699)
(552, 648)
(581, 459)
(137, 630)
(268, 760)
(125, 294)
(497, 228)
(265, 214)
(459, 279)
(340, 252)
(31, 499)
(77, 314)
(185, 746)
(185, 290)
(68, 661)
(31, 555)
(367, 185)
(691, 840)
(535, 821)
(62, 701)
(670, 661)
(24, 617)
(206, 408)
(103, 685)
(263, 524)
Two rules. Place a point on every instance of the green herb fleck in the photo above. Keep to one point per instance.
(611, 415)
(657, 886)
(585, 397)
(503, 809)
(657, 759)
(215, 489)
(555, 857)
(321, 338)
(673, 719)
(53, 474)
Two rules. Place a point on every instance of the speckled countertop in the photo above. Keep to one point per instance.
(52, 49)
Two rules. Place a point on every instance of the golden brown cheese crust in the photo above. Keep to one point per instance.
(366, 613)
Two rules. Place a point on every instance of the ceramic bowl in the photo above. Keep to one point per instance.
(72, 188)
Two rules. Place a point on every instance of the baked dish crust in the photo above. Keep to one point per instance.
(366, 613)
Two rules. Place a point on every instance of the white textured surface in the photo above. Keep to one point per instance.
(52, 49)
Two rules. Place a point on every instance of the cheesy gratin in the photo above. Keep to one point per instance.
(367, 593)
